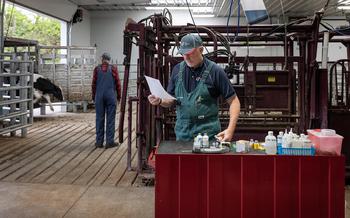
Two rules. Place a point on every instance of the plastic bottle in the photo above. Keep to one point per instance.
(296, 141)
(200, 140)
(285, 140)
(196, 145)
(240, 146)
(279, 141)
(251, 145)
(307, 142)
(302, 140)
(270, 143)
(205, 141)
(290, 138)
(256, 145)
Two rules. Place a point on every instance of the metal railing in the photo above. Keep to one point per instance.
(339, 85)
(69, 67)
(16, 94)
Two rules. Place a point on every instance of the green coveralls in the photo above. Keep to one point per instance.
(197, 111)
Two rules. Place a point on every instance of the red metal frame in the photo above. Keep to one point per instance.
(156, 39)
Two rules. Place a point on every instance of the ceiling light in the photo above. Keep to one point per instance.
(203, 15)
(180, 2)
(344, 7)
(194, 9)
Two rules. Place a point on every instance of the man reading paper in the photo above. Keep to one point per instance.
(197, 83)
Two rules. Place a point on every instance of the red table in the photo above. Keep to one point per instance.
(247, 185)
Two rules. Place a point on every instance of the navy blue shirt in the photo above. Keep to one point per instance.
(217, 81)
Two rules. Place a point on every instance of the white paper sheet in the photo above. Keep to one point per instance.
(157, 89)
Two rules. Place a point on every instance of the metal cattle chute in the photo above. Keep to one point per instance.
(276, 91)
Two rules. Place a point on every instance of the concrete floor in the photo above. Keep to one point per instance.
(69, 178)
(26, 200)
(347, 202)
(56, 171)
(56, 200)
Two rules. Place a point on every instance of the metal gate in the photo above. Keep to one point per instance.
(16, 94)
(339, 85)
(70, 68)
(339, 103)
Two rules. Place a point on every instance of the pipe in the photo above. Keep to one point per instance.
(128, 157)
(325, 50)
(2, 43)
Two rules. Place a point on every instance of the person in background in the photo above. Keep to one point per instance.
(106, 93)
(197, 83)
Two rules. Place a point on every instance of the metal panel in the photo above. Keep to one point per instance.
(16, 94)
(219, 190)
(70, 68)
(196, 185)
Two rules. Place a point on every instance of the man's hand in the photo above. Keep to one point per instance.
(225, 136)
(154, 100)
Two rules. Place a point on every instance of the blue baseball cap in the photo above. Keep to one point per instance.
(189, 42)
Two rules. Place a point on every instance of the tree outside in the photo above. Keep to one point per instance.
(42, 29)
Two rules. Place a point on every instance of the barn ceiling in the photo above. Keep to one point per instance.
(220, 8)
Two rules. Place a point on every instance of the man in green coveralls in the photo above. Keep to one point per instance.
(197, 83)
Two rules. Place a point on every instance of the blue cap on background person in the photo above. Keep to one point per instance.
(106, 56)
(189, 42)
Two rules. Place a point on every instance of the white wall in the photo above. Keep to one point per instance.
(80, 35)
(336, 50)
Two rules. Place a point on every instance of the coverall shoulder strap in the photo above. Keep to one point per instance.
(181, 70)
(99, 67)
(207, 70)
(109, 67)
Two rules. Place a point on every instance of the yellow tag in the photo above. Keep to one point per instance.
(271, 79)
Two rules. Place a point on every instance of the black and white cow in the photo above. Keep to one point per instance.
(43, 88)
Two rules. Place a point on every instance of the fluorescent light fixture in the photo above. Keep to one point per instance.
(343, 2)
(203, 15)
(177, 1)
(184, 8)
(344, 7)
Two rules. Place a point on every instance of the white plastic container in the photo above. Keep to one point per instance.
(296, 142)
(199, 140)
(270, 143)
(285, 140)
(251, 145)
(307, 142)
(279, 139)
(205, 141)
(240, 146)
(196, 144)
(290, 138)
